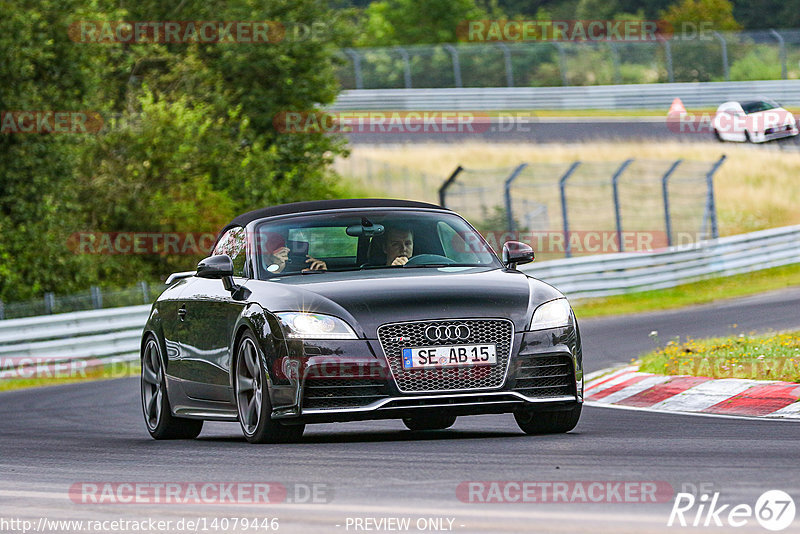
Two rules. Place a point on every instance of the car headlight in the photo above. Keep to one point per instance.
(552, 314)
(301, 325)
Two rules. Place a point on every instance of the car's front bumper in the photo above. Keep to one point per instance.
(346, 381)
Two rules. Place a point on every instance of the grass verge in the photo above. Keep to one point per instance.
(766, 357)
(43, 377)
(701, 292)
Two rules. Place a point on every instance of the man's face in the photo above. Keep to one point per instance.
(399, 243)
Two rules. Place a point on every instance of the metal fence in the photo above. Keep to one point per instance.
(706, 56)
(36, 345)
(93, 299)
(392, 181)
(654, 96)
(617, 274)
(669, 202)
(100, 337)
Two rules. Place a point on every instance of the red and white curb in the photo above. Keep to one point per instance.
(627, 387)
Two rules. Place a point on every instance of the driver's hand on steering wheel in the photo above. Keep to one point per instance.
(400, 260)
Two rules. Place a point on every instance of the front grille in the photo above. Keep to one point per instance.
(544, 376)
(499, 332)
(342, 392)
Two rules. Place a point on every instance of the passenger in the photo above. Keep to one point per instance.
(277, 255)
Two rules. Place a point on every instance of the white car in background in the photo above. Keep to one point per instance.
(754, 121)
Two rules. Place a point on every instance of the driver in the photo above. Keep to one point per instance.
(398, 245)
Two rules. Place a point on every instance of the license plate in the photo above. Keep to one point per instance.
(449, 356)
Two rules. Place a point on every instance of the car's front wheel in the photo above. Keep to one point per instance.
(429, 422)
(155, 404)
(548, 422)
(252, 398)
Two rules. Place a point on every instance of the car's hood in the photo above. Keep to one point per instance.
(372, 298)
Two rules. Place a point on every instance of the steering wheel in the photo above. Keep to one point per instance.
(427, 259)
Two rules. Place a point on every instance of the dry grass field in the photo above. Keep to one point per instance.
(757, 187)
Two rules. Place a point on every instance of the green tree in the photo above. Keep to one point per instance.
(719, 13)
(43, 70)
(406, 22)
(696, 52)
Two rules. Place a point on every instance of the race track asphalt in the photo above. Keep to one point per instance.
(93, 432)
(554, 130)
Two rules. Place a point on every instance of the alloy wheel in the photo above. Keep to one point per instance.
(152, 379)
(249, 382)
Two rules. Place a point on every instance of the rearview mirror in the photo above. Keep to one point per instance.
(515, 253)
(358, 230)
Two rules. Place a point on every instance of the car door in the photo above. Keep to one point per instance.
(207, 316)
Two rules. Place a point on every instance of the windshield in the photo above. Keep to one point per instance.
(758, 105)
(368, 239)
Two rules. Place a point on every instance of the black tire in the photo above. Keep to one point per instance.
(158, 418)
(252, 403)
(717, 136)
(429, 422)
(747, 138)
(548, 422)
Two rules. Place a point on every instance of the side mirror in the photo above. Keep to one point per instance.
(215, 267)
(219, 267)
(515, 253)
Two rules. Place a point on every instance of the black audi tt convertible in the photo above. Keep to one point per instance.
(347, 310)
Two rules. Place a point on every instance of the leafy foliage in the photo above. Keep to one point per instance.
(188, 138)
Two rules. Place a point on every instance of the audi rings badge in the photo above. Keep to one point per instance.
(454, 332)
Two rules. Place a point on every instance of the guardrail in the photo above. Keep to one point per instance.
(642, 96)
(619, 273)
(92, 337)
(114, 334)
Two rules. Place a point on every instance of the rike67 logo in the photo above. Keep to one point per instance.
(774, 510)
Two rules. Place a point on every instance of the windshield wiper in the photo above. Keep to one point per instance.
(437, 265)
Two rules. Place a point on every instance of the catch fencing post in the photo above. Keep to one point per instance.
(668, 60)
(507, 194)
(725, 68)
(617, 214)
(562, 185)
(782, 45)
(145, 292)
(456, 65)
(356, 67)
(615, 62)
(406, 65)
(562, 63)
(711, 205)
(446, 184)
(665, 194)
(509, 67)
(49, 302)
(97, 297)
